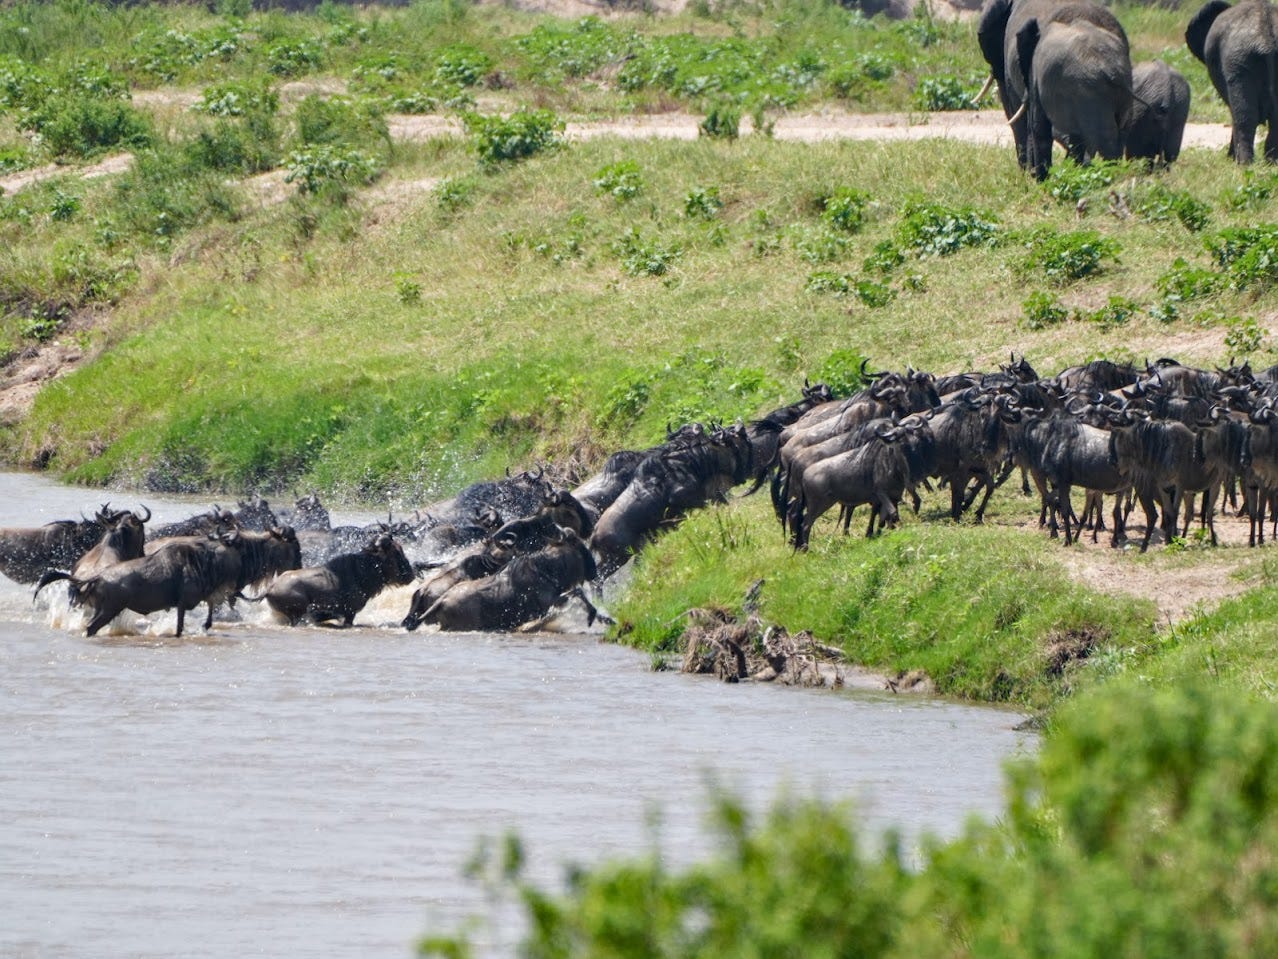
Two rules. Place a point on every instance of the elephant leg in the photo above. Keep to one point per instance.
(1242, 142)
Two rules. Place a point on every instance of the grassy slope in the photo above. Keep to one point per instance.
(281, 346)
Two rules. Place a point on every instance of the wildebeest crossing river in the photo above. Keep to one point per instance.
(260, 790)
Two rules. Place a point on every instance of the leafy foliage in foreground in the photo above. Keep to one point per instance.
(1146, 827)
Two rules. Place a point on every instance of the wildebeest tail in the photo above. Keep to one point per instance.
(50, 576)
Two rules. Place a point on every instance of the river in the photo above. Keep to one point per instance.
(265, 791)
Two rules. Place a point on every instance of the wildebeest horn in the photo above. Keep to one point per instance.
(147, 518)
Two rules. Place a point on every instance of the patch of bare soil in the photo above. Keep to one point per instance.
(105, 167)
(1179, 582)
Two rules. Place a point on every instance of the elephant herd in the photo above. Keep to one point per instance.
(1064, 73)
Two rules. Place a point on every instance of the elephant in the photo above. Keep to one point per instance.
(1239, 45)
(1077, 68)
(1159, 113)
(999, 23)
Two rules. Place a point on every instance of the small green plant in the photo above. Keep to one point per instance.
(1247, 255)
(407, 289)
(288, 58)
(884, 258)
(1066, 257)
(829, 281)
(844, 209)
(43, 324)
(722, 122)
(1185, 282)
(841, 372)
(622, 181)
(1043, 309)
(702, 203)
(642, 257)
(933, 229)
(64, 206)
(461, 65)
(1245, 337)
(323, 168)
(453, 193)
(339, 120)
(1161, 203)
(523, 134)
(820, 245)
(236, 99)
(1069, 182)
(1117, 311)
(947, 92)
(80, 126)
(1253, 193)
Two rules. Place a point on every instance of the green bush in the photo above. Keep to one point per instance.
(1066, 257)
(644, 257)
(1069, 182)
(339, 121)
(702, 203)
(1161, 203)
(933, 229)
(622, 180)
(237, 99)
(845, 209)
(884, 258)
(523, 134)
(78, 126)
(461, 65)
(841, 372)
(327, 169)
(947, 93)
(1117, 311)
(293, 58)
(1247, 255)
(1043, 309)
(1184, 282)
(722, 122)
(454, 192)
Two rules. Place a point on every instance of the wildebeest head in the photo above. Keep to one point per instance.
(390, 558)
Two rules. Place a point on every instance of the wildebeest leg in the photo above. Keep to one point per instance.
(181, 618)
(988, 480)
(1120, 522)
(1151, 516)
(869, 529)
(100, 619)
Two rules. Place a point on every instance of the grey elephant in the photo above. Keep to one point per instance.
(1077, 68)
(1159, 112)
(1239, 45)
(999, 23)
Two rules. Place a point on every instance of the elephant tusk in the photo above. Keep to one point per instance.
(989, 82)
(1017, 115)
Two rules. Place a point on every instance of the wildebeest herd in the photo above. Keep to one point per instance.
(1168, 437)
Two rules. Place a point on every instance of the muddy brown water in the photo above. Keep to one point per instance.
(264, 791)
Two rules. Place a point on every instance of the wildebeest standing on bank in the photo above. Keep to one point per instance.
(524, 590)
(341, 587)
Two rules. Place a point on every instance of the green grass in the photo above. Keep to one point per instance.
(985, 612)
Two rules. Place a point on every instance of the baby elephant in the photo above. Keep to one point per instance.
(1159, 112)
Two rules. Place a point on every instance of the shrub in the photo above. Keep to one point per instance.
(236, 99)
(326, 169)
(289, 58)
(845, 209)
(702, 203)
(622, 180)
(523, 134)
(932, 229)
(1185, 282)
(841, 372)
(722, 122)
(461, 65)
(1116, 312)
(1253, 193)
(338, 120)
(1245, 337)
(1043, 309)
(1069, 182)
(453, 193)
(820, 245)
(640, 257)
(947, 93)
(1161, 203)
(1247, 255)
(84, 126)
(860, 77)
(1066, 257)
(884, 258)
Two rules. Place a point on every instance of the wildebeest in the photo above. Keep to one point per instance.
(679, 476)
(341, 587)
(479, 562)
(182, 575)
(124, 538)
(26, 553)
(875, 473)
(307, 513)
(523, 591)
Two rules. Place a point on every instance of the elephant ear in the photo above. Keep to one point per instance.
(991, 35)
(1196, 32)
